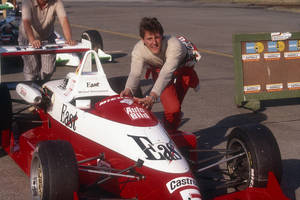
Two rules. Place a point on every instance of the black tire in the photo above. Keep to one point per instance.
(95, 38)
(54, 171)
(5, 108)
(118, 85)
(262, 156)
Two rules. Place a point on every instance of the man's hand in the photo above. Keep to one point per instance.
(148, 101)
(71, 42)
(36, 44)
(126, 92)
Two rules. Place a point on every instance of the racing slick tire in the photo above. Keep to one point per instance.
(118, 85)
(262, 155)
(95, 38)
(5, 108)
(54, 171)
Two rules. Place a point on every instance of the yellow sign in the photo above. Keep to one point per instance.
(259, 47)
(280, 45)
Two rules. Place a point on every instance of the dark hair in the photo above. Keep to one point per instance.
(150, 24)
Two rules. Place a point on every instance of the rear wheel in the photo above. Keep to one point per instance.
(54, 172)
(259, 155)
(95, 38)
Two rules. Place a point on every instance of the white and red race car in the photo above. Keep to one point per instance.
(82, 134)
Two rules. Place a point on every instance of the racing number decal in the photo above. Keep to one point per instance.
(68, 118)
(156, 152)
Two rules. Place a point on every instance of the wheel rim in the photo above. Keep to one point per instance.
(36, 179)
(240, 168)
(87, 36)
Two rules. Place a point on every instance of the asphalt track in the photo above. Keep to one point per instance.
(210, 113)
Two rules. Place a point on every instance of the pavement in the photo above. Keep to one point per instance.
(211, 113)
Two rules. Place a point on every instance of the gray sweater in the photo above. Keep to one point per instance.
(171, 57)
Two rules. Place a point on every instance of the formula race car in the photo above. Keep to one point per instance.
(78, 134)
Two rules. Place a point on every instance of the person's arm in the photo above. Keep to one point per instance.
(136, 69)
(64, 22)
(67, 31)
(29, 32)
(26, 22)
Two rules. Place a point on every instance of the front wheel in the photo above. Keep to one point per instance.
(54, 172)
(257, 154)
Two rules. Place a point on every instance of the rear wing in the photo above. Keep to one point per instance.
(45, 49)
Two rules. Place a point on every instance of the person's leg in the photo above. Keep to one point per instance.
(31, 67)
(48, 66)
(186, 78)
(172, 107)
(173, 95)
(31, 63)
(48, 61)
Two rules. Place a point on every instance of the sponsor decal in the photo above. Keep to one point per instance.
(68, 118)
(294, 45)
(180, 182)
(259, 47)
(272, 56)
(254, 47)
(250, 57)
(109, 100)
(280, 46)
(272, 46)
(250, 47)
(136, 113)
(127, 101)
(294, 85)
(252, 88)
(91, 85)
(274, 87)
(280, 36)
(190, 194)
(292, 55)
(70, 88)
(186, 42)
(23, 92)
(276, 46)
(160, 151)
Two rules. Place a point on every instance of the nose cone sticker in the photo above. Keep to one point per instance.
(190, 194)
